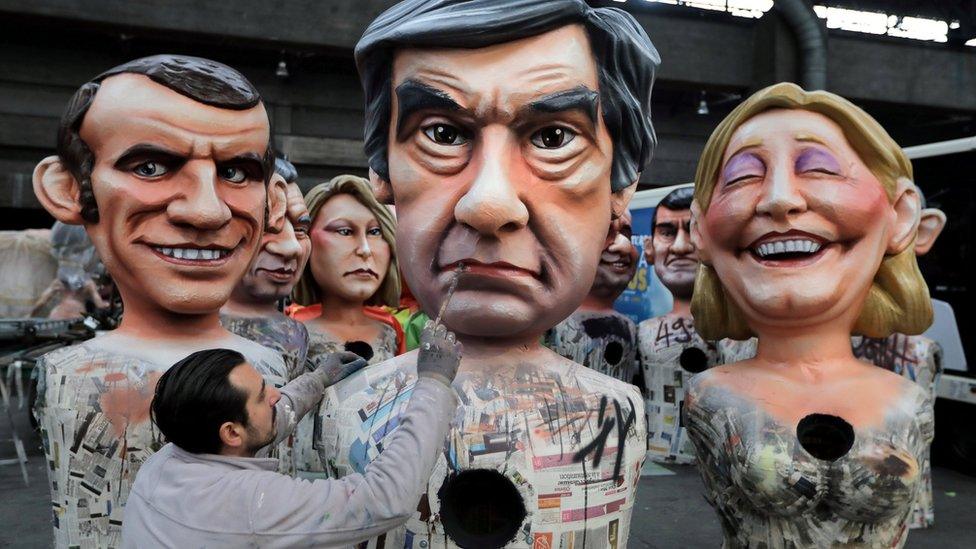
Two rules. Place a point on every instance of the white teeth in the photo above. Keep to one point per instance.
(192, 254)
(787, 246)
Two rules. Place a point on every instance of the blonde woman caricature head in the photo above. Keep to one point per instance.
(805, 212)
(353, 238)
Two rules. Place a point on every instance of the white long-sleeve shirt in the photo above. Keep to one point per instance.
(181, 499)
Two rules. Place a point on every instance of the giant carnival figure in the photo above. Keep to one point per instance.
(596, 335)
(165, 161)
(252, 310)
(804, 216)
(671, 351)
(353, 269)
(511, 132)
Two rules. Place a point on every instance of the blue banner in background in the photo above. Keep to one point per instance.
(645, 297)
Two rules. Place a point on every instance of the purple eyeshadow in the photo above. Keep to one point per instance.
(743, 163)
(816, 159)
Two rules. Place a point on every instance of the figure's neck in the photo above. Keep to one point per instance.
(336, 309)
(250, 308)
(682, 307)
(483, 354)
(820, 347)
(148, 322)
(596, 304)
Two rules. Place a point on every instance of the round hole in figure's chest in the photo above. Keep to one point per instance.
(693, 360)
(360, 348)
(481, 508)
(825, 436)
(613, 353)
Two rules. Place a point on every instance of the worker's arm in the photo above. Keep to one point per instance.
(341, 512)
(304, 392)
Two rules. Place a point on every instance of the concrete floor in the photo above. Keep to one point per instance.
(670, 510)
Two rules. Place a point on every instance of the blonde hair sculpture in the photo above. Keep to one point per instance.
(306, 292)
(898, 300)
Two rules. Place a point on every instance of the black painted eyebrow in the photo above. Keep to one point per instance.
(414, 96)
(143, 151)
(580, 98)
(261, 392)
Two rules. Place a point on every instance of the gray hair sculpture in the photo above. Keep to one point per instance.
(625, 58)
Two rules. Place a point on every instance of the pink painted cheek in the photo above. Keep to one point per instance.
(725, 220)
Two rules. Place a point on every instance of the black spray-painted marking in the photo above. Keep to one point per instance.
(606, 425)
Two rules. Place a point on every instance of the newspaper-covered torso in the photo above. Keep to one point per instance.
(309, 431)
(913, 357)
(665, 342)
(603, 341)
(569, 440)
(280, 333)
(93, 411)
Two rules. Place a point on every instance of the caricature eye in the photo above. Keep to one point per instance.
(150, 168)
(552, 137)
(445, 134)
(344, 231)
(375, 231)
(232, 174)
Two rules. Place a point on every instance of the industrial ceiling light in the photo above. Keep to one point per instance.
(702, 105)
(282, 70)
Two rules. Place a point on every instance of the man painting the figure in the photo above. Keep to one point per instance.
(670, 349)
(165, 161)
(596, 335)
(510, 134)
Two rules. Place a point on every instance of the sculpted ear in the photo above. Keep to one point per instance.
(58, 191)
(381, 188)
(930, 226)
(277, 204)
(907, 206)
(698, 235)
(619, 200)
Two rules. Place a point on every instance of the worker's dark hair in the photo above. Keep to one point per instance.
(195, 397)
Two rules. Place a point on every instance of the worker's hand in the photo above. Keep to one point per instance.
(440, 354)
(339, 365)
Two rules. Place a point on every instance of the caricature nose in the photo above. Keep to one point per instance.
(274, 395)
(780, 195)
(618, 244)
(362, 247)
(285, 244)
(491, 204)
(682, 243)
(199, 205)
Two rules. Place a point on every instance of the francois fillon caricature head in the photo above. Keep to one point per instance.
(166, 161)
(509, 133)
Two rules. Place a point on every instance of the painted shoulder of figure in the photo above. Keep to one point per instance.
(597, 382)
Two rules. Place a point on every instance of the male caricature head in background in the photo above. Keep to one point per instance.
(506, 150)
(669, 248)
(166, 161)
(281, 258)
(618, 263)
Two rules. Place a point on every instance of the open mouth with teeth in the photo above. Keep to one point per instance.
(792, 251)
(192, 255)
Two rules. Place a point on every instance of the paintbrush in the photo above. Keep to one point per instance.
(450, 292)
